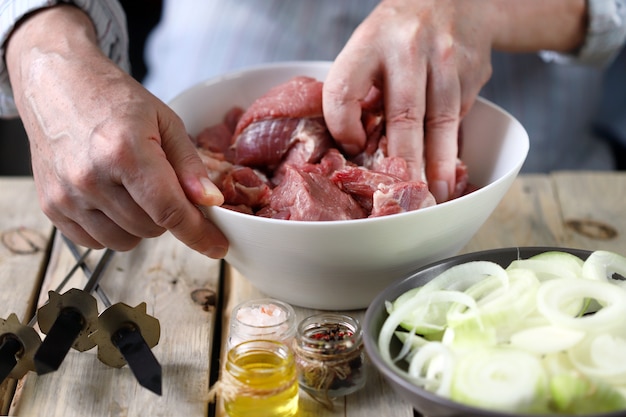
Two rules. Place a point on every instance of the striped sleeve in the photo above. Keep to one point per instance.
(606, 34)
(108, 18)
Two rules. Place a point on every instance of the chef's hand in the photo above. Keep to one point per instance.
(431, 58)
(112, 164)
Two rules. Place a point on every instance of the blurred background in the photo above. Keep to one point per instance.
(610, 124)
(142, 16)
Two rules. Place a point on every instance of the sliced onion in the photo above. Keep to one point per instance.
(410, 342)
(485, 329)
(462, 276)
(400, 312)
(502, 379)
(555, 295)
(601, 356)
(542, 340)
(550, 265)
(601, 265)
(433, 363)
(499, 309)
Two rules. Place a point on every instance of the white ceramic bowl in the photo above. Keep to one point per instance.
(341, 265)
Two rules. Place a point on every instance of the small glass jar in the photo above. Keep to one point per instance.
(260, 380)
(262, 319)
(329, 356)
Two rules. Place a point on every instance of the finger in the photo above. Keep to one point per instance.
(405, 102)
(74, 213)
(442, 125)
(77, 234)
(348, 82)
(164, 199)
(121, 209)
(95, 230)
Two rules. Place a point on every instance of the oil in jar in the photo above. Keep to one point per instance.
(260, 380)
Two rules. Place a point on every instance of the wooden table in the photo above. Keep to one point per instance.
(192, 297)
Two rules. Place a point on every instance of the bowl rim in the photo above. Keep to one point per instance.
(376, 309)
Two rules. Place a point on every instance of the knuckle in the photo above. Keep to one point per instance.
(55, 201)
(170, 218)
(83, 178)
(442, 120)
(407, 116)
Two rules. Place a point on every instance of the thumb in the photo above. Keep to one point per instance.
(191, 172)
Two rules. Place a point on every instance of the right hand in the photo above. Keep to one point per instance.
(112, 163)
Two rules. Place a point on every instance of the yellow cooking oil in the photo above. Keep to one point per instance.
(261, 380)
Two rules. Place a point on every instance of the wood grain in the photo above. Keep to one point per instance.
(22, 225)
(528, 215)
(593, 208)
(163, 273)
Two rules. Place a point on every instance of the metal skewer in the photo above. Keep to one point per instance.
(68, 323)
(127, 338)
(71, 319)
(80, 263)
(21, 341)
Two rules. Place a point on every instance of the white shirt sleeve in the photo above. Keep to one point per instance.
(107, 16)
(606, 34)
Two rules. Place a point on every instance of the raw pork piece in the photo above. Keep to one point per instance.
(312, 196)
(362, 183)
(288, 114)
(216, 165)
(401, 197)
(372, 189)
(280, 161)
(218, 138)
(332, 161)
(247, 187)
(215, 138)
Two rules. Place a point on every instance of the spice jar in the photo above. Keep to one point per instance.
(260, 379)
(265, 319)
(329, 356)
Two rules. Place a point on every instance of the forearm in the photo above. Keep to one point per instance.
(106, 16)
(534, 25)
(31, 45)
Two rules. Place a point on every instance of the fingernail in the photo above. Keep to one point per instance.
(439, 190)
(216, 252)
(213, 194)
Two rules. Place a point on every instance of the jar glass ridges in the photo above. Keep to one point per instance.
(330, 356)
(265, 318)
(260, 379)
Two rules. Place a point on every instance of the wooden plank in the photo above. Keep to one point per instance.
(375, 399)
(24, 236)
(593, 208)
(164, 274)
(528, 215)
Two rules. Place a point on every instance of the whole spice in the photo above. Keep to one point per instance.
(329, 356)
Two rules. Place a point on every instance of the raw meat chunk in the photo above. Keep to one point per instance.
(286, 115)
(277, 159)
(401, 197)
(312, 196)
